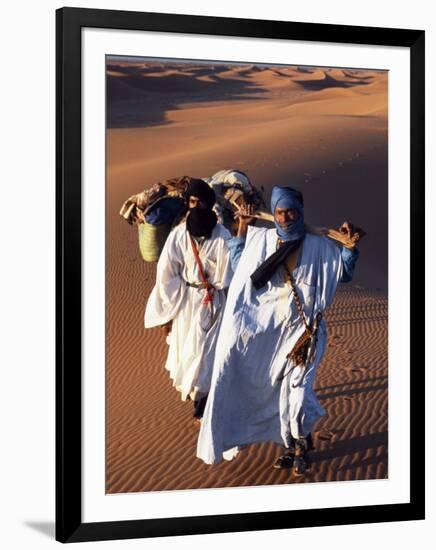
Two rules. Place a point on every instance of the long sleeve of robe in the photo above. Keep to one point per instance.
(349, 258)
(195, 325)
(250, 400)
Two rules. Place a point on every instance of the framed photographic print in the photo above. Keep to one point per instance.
(240, 236)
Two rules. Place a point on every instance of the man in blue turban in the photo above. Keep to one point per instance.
(265, 365)
(287, 205)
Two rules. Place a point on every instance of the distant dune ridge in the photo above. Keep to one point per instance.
(321, 130)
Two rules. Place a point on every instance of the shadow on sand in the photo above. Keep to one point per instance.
(136, 99)
(351, 446)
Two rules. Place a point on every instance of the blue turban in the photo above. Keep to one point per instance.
(286, 197)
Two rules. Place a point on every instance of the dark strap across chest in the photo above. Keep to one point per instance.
(267, 269)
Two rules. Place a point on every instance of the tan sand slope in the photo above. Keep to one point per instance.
(152, 437)
(332, 144)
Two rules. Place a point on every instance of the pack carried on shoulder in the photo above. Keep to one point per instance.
(155, 211)
(158, 209)
(233, 189)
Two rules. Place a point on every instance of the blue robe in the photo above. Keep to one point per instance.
(249, 402)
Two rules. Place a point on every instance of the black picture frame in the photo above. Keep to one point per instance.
(69, 525)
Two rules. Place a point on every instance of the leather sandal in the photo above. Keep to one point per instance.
(284, 462)
(301, 461)
(300, 465)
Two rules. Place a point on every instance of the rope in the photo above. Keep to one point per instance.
(208, 298)
(290, 279)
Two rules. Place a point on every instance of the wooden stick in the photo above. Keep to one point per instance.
(333, 234)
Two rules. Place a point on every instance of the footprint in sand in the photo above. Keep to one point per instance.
(353, 368)
(324, 435)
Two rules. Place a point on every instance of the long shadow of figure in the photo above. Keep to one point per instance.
(351, 446)
(137, 99)
(351, 383)
(352, 391)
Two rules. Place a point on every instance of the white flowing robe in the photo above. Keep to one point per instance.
(248, 401)
(195, 326)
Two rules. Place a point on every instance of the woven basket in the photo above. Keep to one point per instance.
(151, 240)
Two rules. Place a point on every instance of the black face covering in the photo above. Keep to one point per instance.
(201, 221)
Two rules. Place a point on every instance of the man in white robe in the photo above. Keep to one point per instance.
(180, 297)
(257, 394)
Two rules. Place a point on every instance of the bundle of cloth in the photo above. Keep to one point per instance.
(233, 189)
(157, 209)
(163, 203)
(154, 211)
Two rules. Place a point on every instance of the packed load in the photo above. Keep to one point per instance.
(157, 209)
(233, 189)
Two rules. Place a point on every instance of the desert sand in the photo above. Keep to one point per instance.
(321, 130)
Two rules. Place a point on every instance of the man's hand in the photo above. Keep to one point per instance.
(245, 215)
(353, 234)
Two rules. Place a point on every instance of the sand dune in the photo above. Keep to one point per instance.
(159, 87)
(330, 141)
